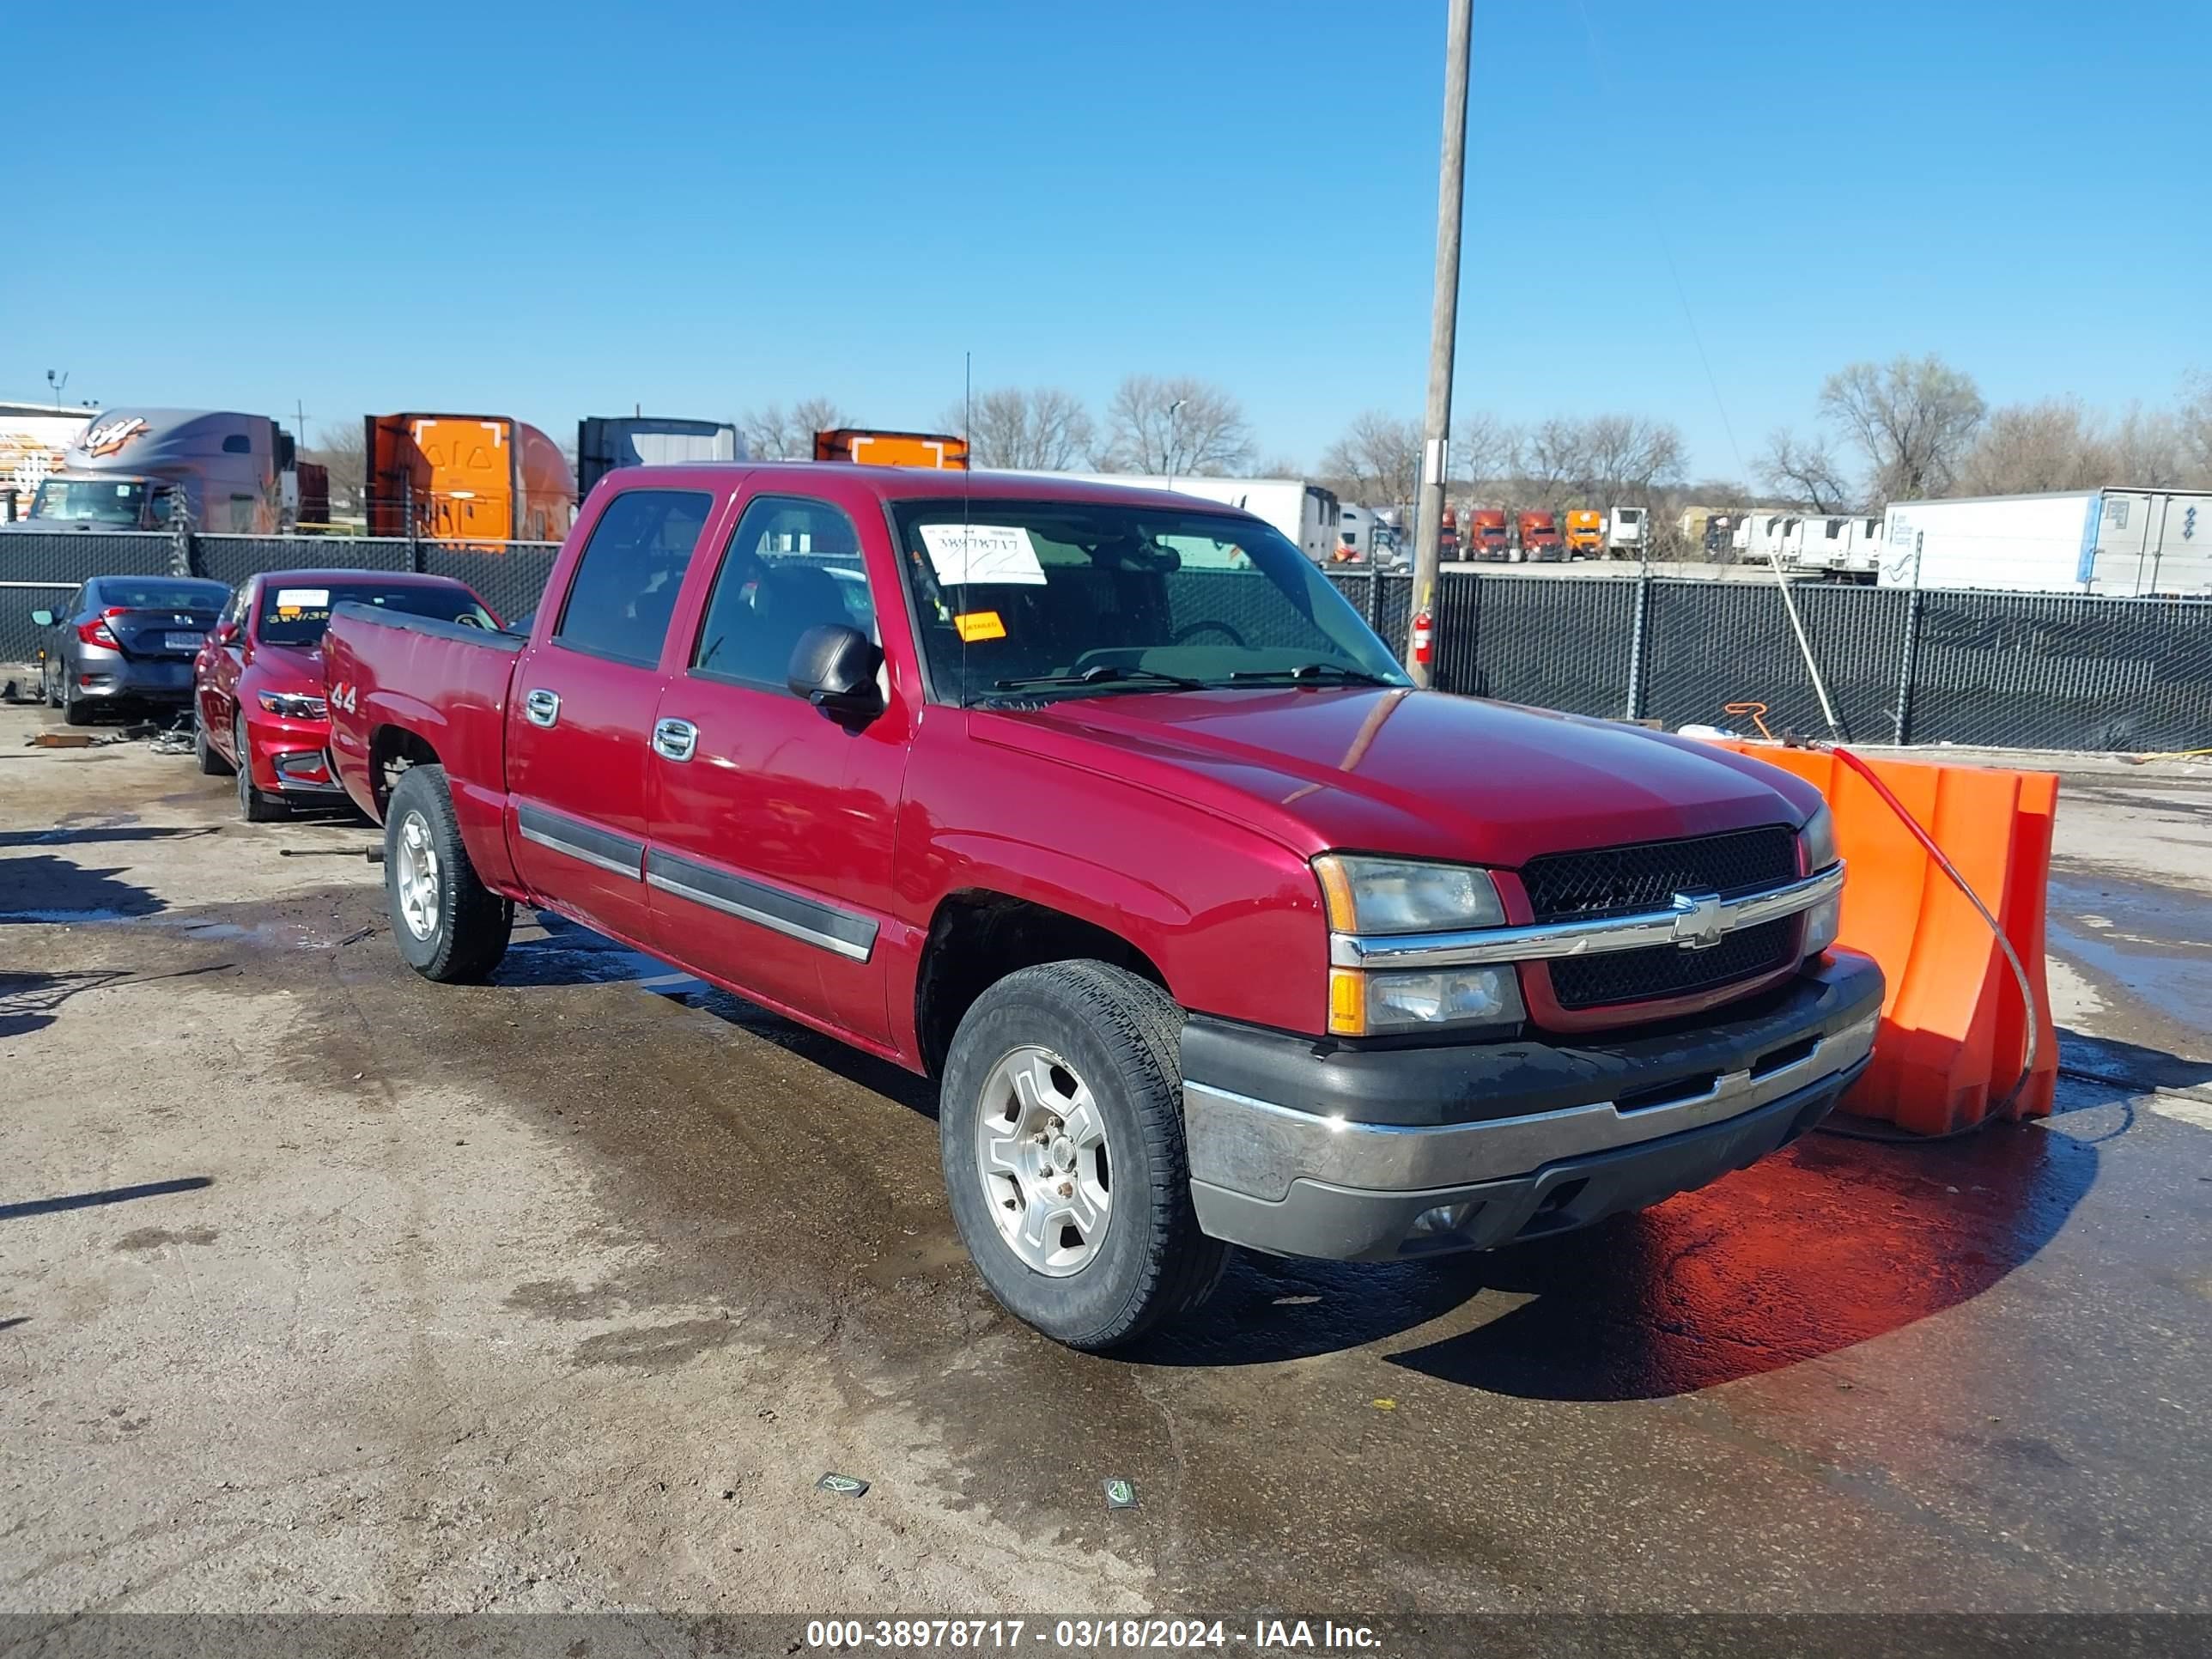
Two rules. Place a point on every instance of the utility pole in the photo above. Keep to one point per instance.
(1444, 325)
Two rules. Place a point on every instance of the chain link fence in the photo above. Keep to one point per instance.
(2036, 671)
(2025, 671)
(42, 570)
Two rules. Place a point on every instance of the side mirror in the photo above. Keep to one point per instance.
(226, 633)
(833, 667)
(44, 618)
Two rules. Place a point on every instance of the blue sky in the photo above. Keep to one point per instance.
(552, 210)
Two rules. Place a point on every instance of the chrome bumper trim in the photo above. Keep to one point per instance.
(1259, 1148)
(1687, 925)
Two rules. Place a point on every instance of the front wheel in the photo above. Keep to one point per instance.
(1061, 1128)
(449, 925)
(204, 754)
(254, 806)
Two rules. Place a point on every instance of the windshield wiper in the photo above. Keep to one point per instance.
(1104, 673)
(1340, 673)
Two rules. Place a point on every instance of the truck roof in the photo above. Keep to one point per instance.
(906, 483)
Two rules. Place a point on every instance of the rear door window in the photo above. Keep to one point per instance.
(623, 594)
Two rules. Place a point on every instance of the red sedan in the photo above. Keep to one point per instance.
(257, 681)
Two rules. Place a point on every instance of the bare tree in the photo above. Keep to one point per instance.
(2026, 448)
(1042, 430)
(1804, 472)
(1485, 450)
(342, 449)
(2196, 425)
(1602, 461)
(1627, 456)
(1553, 461)
(1377, 460)
(771, 434)
(2147, 448)
(1913, 421)
(1177, 424)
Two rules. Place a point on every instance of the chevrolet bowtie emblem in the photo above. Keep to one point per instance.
(1698, 924)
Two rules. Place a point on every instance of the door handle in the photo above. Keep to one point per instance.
(675, 739)
(542, 707)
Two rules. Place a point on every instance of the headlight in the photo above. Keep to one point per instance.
(1382, 1004)
(1401, 896)
(292, 708)
(1818, 839)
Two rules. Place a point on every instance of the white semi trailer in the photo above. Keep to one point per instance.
(2125, 542)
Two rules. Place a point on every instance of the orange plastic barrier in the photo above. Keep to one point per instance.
(1954, 1029)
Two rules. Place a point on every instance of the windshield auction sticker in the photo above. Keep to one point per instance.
(983, 553)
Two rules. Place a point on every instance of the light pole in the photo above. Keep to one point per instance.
(56, 387)
(1173, 410)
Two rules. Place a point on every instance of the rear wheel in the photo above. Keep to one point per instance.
(74, 709)
(1061, 1128)
(449, 925)
(254, 806)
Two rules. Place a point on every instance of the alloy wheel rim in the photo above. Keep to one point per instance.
(416, 875)
(1042, 1156)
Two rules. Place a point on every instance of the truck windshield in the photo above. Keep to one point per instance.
(1058, 599)
(297, 613)
(91, 500)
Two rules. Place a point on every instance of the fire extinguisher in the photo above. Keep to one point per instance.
(1424, 636)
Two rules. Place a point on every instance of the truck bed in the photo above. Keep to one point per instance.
(447, 682)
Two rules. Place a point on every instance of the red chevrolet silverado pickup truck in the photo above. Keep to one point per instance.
(1104, 808)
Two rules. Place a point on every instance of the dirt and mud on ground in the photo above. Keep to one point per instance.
(325, 1288)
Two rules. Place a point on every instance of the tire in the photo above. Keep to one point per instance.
(254, 806)
(464, 926)
(74, 709)
(1118, 1038)
(208, 759)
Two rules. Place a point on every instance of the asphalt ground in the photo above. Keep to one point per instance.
(324, 1289)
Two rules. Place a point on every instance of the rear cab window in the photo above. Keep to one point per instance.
(622, 595)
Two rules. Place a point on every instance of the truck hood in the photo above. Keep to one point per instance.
(1418, 773)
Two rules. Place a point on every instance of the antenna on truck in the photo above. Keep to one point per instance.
(967, 535)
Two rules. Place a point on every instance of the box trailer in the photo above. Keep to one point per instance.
(466, 478)
(2115, 541)
(937, 451)
(605, 442)
(1624, 530)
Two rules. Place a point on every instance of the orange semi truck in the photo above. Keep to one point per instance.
(466, 478)
(1585, 532)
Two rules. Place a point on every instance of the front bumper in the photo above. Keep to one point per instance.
(1376, 1154)
(290, 757)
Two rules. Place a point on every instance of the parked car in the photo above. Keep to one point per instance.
(126, 639)
(258, 680)
(1116, 819)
